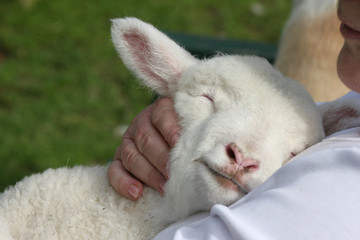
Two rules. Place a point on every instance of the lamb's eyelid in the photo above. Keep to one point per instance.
(210, 100)
(208, 97)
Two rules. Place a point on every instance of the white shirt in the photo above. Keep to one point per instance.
(315, 196)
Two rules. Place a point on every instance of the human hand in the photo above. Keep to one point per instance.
(143, 154)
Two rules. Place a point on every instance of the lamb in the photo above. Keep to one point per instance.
(241, 121)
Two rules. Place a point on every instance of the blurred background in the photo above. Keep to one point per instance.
(64, 93)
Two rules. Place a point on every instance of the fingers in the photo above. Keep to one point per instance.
(123, 182)
(164, 119)
(150, 144)
(139, 166)
(143, 154)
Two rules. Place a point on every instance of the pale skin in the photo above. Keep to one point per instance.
(143, 154)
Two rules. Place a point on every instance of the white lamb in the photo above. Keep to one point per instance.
(241, 121)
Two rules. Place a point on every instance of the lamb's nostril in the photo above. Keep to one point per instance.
(250, 165)
(230, 153)
(236, 157)
(234, 153)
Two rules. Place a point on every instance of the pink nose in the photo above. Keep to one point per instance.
(236, 157)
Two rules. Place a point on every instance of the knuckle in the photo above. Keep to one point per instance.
(115, 178)
(162, 164)
(170, 131)
(139, 121)
(165, 120)
(127, 156)
(118, 151)
(144, 141)
(152, 176)
(160, 114)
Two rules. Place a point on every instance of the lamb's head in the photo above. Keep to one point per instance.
(241, 119)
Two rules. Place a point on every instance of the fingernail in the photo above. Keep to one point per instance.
(133, 191)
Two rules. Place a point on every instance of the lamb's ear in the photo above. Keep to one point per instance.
(150, 54)
(339, 115)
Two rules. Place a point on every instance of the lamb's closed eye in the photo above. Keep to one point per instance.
(209, 99)
(206, 96)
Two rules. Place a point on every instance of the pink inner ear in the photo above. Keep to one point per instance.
(142, 52)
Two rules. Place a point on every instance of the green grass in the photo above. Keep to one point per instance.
(63, 89)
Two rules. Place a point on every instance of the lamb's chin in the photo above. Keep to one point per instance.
(226, 182)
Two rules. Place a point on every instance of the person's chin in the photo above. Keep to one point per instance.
(348, 67)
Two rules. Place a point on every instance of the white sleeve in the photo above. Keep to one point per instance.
(315, 196)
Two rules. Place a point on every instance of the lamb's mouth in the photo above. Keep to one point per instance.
(224, 179)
